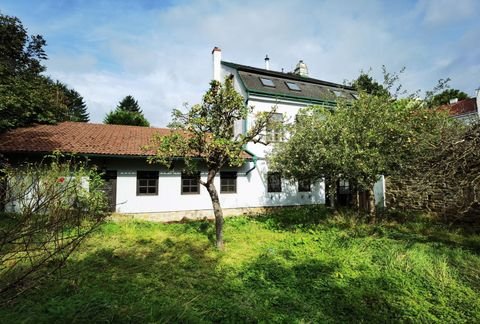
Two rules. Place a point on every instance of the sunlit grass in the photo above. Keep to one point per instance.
(302, 265)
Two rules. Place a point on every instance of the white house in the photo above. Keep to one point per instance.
(154, 192)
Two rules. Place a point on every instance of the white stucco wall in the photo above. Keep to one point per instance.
(251, 190)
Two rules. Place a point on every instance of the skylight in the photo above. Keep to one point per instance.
(267, 82)
(355, 95)
(293, 86)
(338, 93)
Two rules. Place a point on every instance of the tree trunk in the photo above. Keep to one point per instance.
(217, 209)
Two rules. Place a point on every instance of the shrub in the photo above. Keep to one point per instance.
(53, 205)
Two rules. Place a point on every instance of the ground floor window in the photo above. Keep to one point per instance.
(190, 183)
(147, 183)
(274, 182)
(228, 182)
(304, 185)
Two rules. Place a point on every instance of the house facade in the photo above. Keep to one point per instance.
(152, 191)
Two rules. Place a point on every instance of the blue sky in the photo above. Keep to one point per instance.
(159, 51)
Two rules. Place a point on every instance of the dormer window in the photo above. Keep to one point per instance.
(293, 86)
(267, 82)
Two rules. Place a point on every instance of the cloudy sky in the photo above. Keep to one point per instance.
(159, 51)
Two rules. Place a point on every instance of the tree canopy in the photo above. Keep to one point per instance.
(129, 104)
(444, 97)
(128, 112)
(26, 95)
(374, 135)
(204, 136)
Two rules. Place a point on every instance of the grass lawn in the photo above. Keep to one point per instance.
(300, 265)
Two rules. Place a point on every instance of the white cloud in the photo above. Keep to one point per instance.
(162, 56)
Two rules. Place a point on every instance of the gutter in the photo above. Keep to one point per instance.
(254, 159)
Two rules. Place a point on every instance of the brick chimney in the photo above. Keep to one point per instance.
(217, 58)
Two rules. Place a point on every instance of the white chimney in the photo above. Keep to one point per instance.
(453, 101)
(217, 58)
(267, 62)
(301, 69)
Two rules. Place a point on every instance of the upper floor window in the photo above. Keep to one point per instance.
(228, 182)
(191, 183)
(267, 82)
(147, 183)
(293, 86)
(274, 182)
(275, 128)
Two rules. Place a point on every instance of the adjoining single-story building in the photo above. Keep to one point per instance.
(154, 192)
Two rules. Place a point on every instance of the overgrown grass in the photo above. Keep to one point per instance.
(303, 265)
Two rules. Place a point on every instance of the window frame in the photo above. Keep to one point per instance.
(228, 176)
(265, 84)
(190, 176)
(275, 135)
(302, 185)
(148, 176)
(293, 86)
(270, 186)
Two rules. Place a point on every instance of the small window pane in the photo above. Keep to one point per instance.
(228, 182)
(267, 82)
(304, 185)
(293, 86)
(338, 93)
(274, 128)
(274, 180)
(147, 182)
(190, 183)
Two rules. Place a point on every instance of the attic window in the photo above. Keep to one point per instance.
(293, 86)
(267, 82)
(338, 93)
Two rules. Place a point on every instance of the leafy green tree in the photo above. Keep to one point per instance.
(76, 109)
(367, 84)
(205, 133)
(123, 117)
(445, 96)
(128, 112)
(371, 136)
(129, 104)
(27, 96)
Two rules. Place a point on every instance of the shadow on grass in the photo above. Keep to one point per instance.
(182, 279)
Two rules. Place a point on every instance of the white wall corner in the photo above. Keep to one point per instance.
(217, 58)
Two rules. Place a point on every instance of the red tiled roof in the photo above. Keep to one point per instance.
(462, 107)
(81, 138)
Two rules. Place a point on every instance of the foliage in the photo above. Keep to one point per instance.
(128, 112)
(445, 96)
(26, 96)
(76, 107)
(55, 204)
(129, 104)
(122, 117)
(325, 268)
(206, 133)
(366, 83)
(361, 140)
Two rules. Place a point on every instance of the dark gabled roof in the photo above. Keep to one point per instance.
(312, 90)
(82, 138)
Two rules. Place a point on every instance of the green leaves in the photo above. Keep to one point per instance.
(128, 112)
(373, 135)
